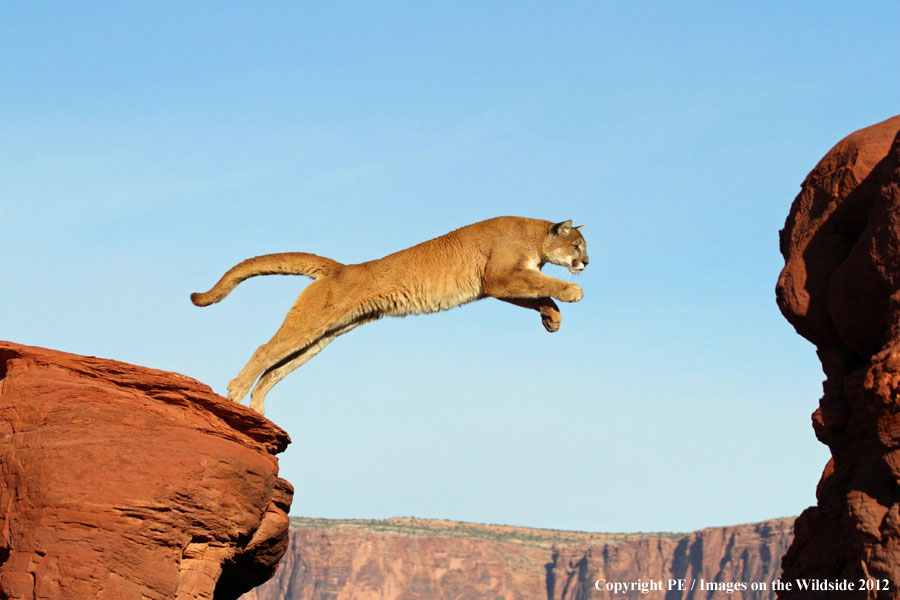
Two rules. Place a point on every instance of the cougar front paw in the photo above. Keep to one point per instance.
(551, 323)
(550, 318)
(574, 293)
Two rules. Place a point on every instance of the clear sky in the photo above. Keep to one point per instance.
(147, 147)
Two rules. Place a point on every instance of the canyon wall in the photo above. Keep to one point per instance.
(840, 289)
(418, 559)
(121, 482)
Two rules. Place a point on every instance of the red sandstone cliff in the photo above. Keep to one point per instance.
(123, 482)
(840, 289)
(418, 559)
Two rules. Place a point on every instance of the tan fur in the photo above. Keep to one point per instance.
(500, 257)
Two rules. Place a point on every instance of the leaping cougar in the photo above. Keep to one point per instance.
(500, 257)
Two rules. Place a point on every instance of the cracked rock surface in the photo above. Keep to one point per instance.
(121, 482)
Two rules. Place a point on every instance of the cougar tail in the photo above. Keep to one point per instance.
(285, 263)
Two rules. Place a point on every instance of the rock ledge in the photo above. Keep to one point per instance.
(119, 481)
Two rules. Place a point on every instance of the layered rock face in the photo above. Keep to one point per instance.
(417, 559)
(840, 289)
(123, 482)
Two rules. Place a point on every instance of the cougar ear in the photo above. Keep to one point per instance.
(562, 228)
(579, 228)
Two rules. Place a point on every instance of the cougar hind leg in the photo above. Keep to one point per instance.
(283, 343)
(277, 372)
(311, 317)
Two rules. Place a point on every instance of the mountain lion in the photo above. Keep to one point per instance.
(500, 257)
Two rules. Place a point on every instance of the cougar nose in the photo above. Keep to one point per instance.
(585, 260)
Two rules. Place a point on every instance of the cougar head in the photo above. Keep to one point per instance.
(564, 246)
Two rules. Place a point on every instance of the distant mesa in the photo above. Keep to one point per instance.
(421, 559)
(121, 482)
(840, 289)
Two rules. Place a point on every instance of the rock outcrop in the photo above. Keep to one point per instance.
(123, 482)
(418, 559)
(840, 289)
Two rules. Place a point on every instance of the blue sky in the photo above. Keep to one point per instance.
(147, 147)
